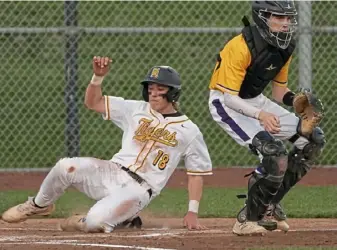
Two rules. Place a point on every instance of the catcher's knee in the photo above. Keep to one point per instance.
(267, 145)
(314, 146)
(273, 151)
(300, 160)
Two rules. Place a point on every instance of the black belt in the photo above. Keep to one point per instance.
(137, 178)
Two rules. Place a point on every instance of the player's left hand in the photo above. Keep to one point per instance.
(191, 222)
(310, 109)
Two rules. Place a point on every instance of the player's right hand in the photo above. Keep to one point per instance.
(191, 222)
(101, 65)
(270, 122)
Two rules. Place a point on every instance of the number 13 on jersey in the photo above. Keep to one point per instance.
(161, 159)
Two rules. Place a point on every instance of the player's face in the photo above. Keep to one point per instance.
(157, 97)
(279, 23)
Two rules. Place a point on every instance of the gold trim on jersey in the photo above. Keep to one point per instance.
(148, 152)
(200, 172)
(147, 141)
(154, 115)
(138, 155)
(157, 141)
(107, 108)
(222, 88)
(281, 84)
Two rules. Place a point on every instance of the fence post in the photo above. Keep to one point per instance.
(72, 131)
(305, 45)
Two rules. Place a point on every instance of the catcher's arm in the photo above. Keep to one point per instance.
(279, 91)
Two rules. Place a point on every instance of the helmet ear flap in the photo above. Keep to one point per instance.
(145, 92)
(173, 94)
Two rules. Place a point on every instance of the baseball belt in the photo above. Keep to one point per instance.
(137, 178)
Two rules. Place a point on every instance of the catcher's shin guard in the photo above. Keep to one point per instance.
(299, 163)
(265, 182)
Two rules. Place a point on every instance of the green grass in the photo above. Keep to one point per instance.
(33, 74)
(302, 202)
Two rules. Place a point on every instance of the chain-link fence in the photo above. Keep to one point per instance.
(47, 47)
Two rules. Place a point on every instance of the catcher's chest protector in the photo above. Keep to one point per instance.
(266, 62)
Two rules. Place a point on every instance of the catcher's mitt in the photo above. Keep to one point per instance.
(310, 110)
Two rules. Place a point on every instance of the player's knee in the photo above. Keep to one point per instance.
(314, 148)
(317, 137)
(267, 145)
(66, 165)
(95, 222)
(274, 152)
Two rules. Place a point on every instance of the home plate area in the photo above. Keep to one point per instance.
(165, 234)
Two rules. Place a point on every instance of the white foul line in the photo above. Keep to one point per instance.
(27, 229)
(85, 244)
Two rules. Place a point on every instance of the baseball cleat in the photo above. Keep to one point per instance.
(248, 228)
(22, 211)
(243, 227)
(78, 223)
(276, 214)
(131, 223)
(73, 223)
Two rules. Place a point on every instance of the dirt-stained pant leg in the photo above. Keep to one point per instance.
(119, 196)
(124, 203)
(84, 173)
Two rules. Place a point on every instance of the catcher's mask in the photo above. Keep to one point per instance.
(262, 11)
(164, 75)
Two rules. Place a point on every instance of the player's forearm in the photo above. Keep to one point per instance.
(240, 105)
(195, 186)
(278, 93)
(93, 94)
(283, 95)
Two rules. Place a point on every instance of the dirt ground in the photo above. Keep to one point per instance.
(168, 233)
(165, 234)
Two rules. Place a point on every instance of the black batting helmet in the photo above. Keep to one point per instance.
(263, 10)
(164, 75)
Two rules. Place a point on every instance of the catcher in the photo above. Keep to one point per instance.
(261, 54)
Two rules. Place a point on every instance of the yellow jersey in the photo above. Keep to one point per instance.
(230, 71)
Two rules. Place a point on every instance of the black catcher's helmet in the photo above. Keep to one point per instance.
(263, 10)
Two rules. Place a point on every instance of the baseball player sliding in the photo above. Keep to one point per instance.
(156, 136)
(245, 66)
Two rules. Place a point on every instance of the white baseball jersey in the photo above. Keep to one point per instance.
(152, 145)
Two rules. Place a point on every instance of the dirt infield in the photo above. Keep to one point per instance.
(164, 234)
(222, 177)
(167, 233)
